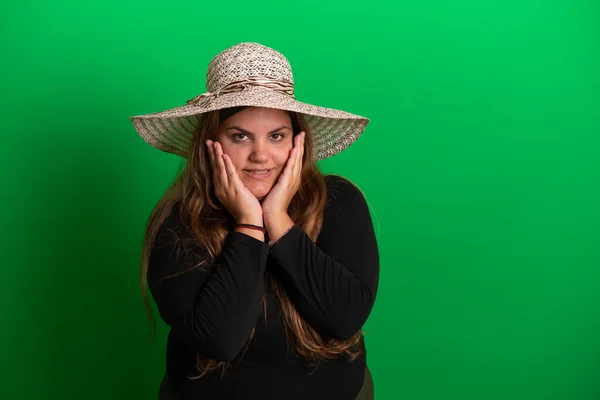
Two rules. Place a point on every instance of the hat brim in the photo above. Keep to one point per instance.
(172, 130)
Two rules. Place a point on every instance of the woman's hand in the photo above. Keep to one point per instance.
(276, 204)
(229, 189)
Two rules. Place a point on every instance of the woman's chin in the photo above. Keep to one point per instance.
(260, 193)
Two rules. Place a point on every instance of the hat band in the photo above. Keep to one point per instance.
(244, 84)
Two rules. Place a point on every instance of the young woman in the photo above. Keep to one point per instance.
(264, 269)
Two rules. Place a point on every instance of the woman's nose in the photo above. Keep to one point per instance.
(259, 152)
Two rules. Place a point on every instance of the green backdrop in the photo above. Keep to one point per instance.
(481, 164)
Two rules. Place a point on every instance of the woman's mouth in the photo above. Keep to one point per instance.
(259, 174)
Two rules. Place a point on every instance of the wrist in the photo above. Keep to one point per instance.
(250, 221)
(278, 226)
(275, 216)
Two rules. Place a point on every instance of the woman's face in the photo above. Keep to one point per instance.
(258, 141)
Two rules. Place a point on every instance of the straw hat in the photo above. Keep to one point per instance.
(249, 74)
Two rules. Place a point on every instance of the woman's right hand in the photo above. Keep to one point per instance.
(229, 189)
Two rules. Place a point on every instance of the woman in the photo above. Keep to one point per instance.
(264, 269)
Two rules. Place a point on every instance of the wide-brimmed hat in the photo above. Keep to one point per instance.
(249, 74)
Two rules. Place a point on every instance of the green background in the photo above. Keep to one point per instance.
(481, 164)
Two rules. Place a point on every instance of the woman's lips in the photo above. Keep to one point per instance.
(259, 174)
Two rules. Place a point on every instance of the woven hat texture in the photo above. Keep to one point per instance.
(249, 74)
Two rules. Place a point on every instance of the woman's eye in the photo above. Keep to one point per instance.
(243, 137)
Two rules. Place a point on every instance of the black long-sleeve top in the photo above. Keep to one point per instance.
(212, 311)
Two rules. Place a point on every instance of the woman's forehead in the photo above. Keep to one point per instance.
(258, 118)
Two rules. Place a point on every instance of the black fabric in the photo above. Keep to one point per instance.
(212, 310)
(367, 392)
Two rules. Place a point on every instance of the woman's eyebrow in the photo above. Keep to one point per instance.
(250, 133)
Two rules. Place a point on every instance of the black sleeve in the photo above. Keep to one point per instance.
(333, 284)
(215, 308)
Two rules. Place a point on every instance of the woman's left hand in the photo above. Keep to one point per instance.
(278, 200)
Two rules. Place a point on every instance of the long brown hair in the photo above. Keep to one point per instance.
(193, 191)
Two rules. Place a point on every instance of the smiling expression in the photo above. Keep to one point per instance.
(258, 141)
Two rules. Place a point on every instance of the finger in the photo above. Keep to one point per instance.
(232, 176)
(302, 146)
(213, 163)
(222, 172)
(302, 140)
(289, 165)
(300, 150)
